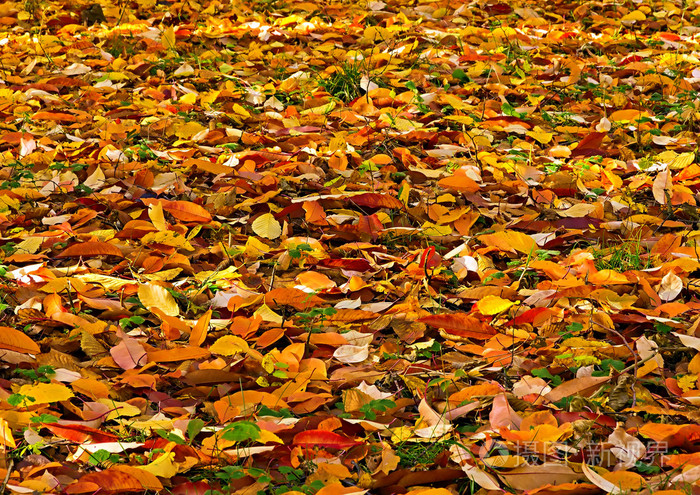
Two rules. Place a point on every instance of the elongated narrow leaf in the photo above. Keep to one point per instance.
(323, 438)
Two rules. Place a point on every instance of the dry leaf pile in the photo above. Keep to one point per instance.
(331, 248)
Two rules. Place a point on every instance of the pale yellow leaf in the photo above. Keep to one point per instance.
(671, 286)
(267, 226)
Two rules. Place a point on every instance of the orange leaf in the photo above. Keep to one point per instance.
(14, 340)
(199, 333)
(629, 115)
(55, 116)
(481, 389)
(314, 213)
(337, 488)
(296, 298)
(460, 324)
(510, 240)
(607, 277)
(148, 480)
(113, 481)
(460, 183)
(52, 305)
(90, 249)
(352, 315)
(185, 211)
(177, 354)
(323, 438)
(376, 200)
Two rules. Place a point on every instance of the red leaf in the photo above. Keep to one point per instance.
(323, 438)
(191, 488)
(426, 255)
(352, 264)
(528, 316)
(90, 249)
(79, 433)
(460, 324)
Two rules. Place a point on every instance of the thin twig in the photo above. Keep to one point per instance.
(7, 476)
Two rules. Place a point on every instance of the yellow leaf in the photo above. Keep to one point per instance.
(401, 434)
(156, 296)
(268, 436)
(267, 314)
(239, 110)
(681, 161)
(510, 240)
(186, 131)
(430, 229)
(635, 15)
(505, 461)
(493, 305)
(320, 110)
(155, 213)
(164, 466)
(460, 119)
(267, 226)
(229, 345)
(540, 135)
(30, 245)
(45, 393)
(189, 98)
(6, 438)
(168, 38)
(255, 248)
(376, 34)
(119, 409)
(163, 275)
(687, 382)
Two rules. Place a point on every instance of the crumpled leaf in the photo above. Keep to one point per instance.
(671, 286)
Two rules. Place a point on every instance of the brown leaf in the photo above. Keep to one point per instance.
(575, 386)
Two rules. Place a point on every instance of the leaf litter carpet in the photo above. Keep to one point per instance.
(337, 248)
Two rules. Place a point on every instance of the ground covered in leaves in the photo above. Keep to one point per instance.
(331, 248)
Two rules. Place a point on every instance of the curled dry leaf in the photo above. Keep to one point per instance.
(671, 286)
(627, 448)
(599, 481)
